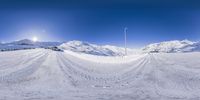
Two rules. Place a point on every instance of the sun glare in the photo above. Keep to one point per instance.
(35, 39)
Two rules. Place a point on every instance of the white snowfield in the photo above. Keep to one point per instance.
(41, 74)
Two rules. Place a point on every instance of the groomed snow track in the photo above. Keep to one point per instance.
(49, 75)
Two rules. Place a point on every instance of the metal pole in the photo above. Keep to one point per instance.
(125, 32)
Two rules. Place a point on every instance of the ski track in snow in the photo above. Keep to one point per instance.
(41, 74)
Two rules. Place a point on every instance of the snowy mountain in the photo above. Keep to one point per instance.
(26, 44)
(23, 42)
(32, 43)
(88, 48)
(104, 50)
(173, 46)
(75, 46)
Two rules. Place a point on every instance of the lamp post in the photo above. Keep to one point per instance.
(125, 44)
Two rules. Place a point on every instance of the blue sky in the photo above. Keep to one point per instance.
(100, 22)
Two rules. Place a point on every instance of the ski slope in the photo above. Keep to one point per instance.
(41, 74)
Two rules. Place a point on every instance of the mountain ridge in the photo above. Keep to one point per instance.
(173, 46)
(89, 48)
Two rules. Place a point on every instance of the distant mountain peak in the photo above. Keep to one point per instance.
(173, 46)
(23, 42)
(88, 48)
(78, 43)
(27, 44)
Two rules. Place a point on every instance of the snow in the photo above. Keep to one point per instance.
(81, 47)
(23, 42)
(173, 46)
(88, 48)
(44, 74)
(26, 44)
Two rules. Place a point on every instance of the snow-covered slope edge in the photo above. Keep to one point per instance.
(88, 48)
(173, 46)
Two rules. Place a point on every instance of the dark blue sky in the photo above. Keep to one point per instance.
(100, 22)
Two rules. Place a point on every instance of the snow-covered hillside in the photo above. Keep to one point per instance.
(22, 42)
(37, 43)
(42, 74)
(26, 44)
(105, 50)
(173, 46)
(75, 46)
(88, 48)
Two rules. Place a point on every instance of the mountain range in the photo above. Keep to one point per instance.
(26, 44)
(88, 48)
(173, 46)
(104, 50)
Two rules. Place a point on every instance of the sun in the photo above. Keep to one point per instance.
(35, 39)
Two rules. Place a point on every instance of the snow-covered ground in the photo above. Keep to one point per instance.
(42, 74)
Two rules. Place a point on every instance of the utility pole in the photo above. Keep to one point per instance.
(125, 32)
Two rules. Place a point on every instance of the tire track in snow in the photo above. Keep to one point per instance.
(154, 77)
(17, 59)
(22, 61)
(75, 74)
(171, 83)
(135, 70)
(21, 74)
